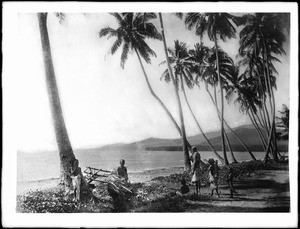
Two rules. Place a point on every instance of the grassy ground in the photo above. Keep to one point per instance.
(260, 189)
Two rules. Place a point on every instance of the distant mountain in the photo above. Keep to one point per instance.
(247, 133)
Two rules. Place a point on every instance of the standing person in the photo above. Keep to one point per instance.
(76, 179)
(213, 176)
(122, 171)
(196, 170)
(230, 183)
(216, 172)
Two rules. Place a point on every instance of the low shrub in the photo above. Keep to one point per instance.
(54, 201)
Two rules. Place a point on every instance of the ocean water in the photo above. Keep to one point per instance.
(45, 165)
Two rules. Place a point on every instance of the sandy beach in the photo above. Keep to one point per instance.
(258, 190)
(135, 177)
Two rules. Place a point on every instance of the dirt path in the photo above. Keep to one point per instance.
(263, 191)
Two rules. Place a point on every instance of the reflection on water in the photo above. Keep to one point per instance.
(44, 165)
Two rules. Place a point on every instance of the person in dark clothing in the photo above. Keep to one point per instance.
(122, 171)
(184, 190)
(230, 183)
(213, 171)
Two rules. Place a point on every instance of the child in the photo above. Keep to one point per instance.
(213, 176)
(122, 171)
(184, 190)
(76, 179)
(229, 180)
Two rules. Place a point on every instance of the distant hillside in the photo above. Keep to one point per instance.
(247, 133)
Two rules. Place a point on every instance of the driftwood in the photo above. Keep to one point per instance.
(115, 186)
(93, 173)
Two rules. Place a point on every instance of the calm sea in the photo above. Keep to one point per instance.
(44, 165)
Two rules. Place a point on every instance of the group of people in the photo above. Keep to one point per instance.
(76, 176)
(196, 173)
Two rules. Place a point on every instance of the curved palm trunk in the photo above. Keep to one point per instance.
(273, 117)
(272, 105)
(187, 163)
(155, 96)
(264, 108)
(158, 99)
(222, 103)
(263, 141)
(263, 117)
(64, 146)
(229, 147)
(260, 120)
(195, 119)
(227, 125)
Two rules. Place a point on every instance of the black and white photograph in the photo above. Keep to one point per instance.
(150, 114)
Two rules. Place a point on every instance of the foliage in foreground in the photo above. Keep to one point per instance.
(54, 201)
(157, 195)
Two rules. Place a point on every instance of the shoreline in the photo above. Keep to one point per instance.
(260, 188)
(134, 177)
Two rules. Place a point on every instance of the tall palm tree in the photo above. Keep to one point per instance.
(263, 34)
(228, 73)
(247, 95)
(66, 154)
(217, 26)
(208, 73)
(133, 29)
(187, 163)
(182, 64)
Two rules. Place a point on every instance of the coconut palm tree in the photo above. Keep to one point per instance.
(208, 74)
(187, 163)
(217, 66)
(263, 35)
(217, 26)
(66, 154)
(133, 29)
(247, 95)
(182, 64)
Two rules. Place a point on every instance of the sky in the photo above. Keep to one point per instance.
(103, 103)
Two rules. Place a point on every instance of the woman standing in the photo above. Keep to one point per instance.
(196, 170)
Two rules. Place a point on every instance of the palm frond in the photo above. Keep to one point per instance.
(107, 31)
(124, 54)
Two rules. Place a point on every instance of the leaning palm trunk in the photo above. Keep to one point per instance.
(64, 146)
(222, 104)
(263, 141)
(66, 154)
(229, 147)
(218, 113)
(227, 125)
(187, 163)
(263, 117)
(195, 119)
(158, 99)
(155, 96)
(272, 105)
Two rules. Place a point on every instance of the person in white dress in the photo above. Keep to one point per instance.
(195, 169)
